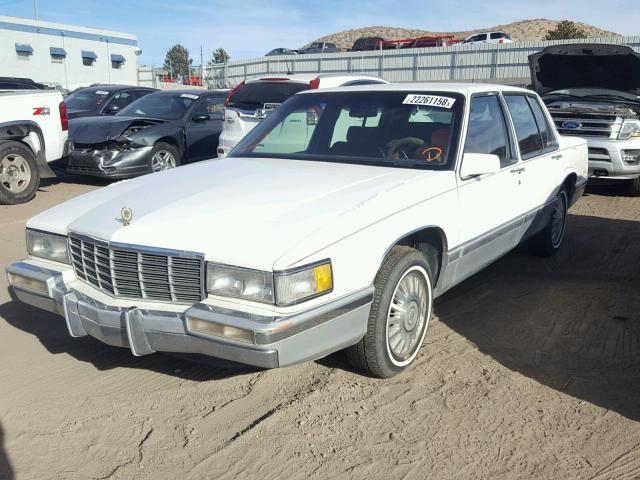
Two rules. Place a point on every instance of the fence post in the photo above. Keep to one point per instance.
(245, 72)
(381, 65)
(414, 76)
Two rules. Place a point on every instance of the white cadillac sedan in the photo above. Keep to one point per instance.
(333, 225)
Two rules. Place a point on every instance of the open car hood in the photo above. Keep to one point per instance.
(588, 65)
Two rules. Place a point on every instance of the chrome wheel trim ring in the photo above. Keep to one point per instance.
(162, 160)
(15, 173)
(559, 220)
(408, 316)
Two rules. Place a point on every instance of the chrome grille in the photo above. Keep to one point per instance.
(132, 273)
(591, 125)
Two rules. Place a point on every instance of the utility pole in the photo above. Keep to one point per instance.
(201, 66)
(35, 9)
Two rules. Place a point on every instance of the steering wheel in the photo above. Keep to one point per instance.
(401, 146)
(429, 154)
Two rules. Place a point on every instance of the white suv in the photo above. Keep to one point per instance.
(252, 100)
(489, 37)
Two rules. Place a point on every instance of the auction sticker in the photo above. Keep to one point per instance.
(430, 100)
(189, 95)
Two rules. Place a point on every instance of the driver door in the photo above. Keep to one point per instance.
(203, 127)
(491, 205)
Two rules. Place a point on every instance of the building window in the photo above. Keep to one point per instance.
(57, 54)
(24, 51)
(117, 61)
(88, 58)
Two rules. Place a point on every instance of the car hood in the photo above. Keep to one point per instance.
(246, 212)
(613, 67)
(92, 130)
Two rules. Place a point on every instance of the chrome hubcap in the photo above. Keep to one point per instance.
(558, 221)
(408, 316)
(15, 173)
(162, 160)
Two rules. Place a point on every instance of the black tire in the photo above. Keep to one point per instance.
(164, 147)
(633, 187)
(373, 355)
(548, 241)
(22, 192)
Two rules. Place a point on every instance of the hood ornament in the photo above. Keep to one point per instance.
(127, 216)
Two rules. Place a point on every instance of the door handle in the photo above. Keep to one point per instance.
(517, 170)
(556, 157)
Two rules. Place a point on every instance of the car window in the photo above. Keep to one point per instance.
(121, 100)
(211, 106)
(373, 128)
(496, 35)
(487, 130)
(525, 124)
(163, 105)
(253, 96)
(86, 99)
(546, 132)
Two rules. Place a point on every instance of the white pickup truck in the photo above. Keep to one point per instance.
(336, 235)
(33, 133)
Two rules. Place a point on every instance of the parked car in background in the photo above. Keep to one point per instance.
(489, 37)
(337, 235)
(33, 133)
(103, 99)
(251, 101)
(320, 47)
(426, 42)
(367, 43)
(281, 51)
(593, 91)
(16, 83)
(160, 131)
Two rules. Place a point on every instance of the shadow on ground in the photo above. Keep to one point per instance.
(571, 322)
(6, 472)
(52, 333)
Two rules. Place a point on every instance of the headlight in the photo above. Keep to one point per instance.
(303, 284)
(240, 283)
(630, 128)
(280, 288)
(47, 245)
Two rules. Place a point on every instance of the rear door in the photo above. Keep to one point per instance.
(203, 126)
(491, 206)
(541, 160)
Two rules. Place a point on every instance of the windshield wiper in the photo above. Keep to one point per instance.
(612, 95)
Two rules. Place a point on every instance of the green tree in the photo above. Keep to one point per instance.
(564, 30)
(177, 61)
(220, 55)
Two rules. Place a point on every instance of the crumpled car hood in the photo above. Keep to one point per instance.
(246, 212)
(92, 130)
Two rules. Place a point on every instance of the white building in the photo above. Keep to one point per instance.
(66, 55)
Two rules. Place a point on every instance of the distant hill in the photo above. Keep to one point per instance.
(522, 30)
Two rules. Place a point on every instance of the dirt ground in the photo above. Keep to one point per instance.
(531, 370)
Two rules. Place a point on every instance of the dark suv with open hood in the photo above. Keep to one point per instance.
(593, 91)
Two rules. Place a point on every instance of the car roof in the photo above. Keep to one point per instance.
(453, 87)
(110, 87)
(307, 77)
(194, 91)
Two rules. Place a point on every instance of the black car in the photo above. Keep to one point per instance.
(281, 51)
(367, 43)
(320, 47)
(17, 83)
(160, 131)
(102, 99)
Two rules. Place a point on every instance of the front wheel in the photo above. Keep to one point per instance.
(399, 315)
(164, 156)
(19, 174)
(548, 241)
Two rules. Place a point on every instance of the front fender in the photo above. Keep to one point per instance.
(29, 133)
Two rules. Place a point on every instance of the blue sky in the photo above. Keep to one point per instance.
(250, 28)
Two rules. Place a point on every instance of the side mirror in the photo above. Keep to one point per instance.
(476, 164)
(111, 109)
(200, 118)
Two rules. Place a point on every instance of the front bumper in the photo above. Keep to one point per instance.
(278, 341)
(109, 163)
(614, 159)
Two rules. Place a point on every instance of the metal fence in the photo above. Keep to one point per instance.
(500, 63)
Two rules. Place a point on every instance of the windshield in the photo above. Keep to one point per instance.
(167, 106)
(390, 129)
(253, 96)
(86, 99)
(594, 92)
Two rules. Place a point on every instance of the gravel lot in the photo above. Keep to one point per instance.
(530, 370)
